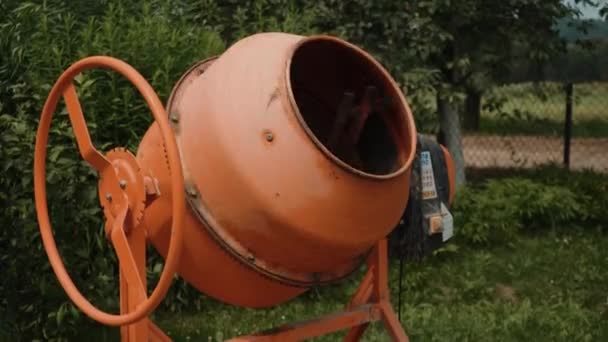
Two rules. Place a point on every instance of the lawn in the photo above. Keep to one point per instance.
(539, 109)
(546, 287)
(533, 109)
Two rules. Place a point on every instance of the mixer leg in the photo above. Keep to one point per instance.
(354, 334)
(364, 291)
(361, 296)
(138, 331)
(369, 303)
(391, 322)
(374, 288)
(155, 334)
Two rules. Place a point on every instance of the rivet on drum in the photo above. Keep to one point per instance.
(269, 136)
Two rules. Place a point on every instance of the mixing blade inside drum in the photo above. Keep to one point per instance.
(347, 104)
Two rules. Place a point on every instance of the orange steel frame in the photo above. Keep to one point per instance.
(369, 303)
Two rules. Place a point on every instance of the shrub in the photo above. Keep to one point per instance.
(43, 41)
(498, 209)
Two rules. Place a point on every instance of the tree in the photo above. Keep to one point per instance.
(485, 38)
(458, 47)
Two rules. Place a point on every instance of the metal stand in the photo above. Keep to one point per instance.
(144, 330)
(370, 303)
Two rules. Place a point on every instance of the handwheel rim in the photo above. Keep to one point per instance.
(178, 200)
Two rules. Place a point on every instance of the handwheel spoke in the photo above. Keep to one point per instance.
(129, 249)
(125, 255)
(85, 145)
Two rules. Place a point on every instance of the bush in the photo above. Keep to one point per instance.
(42, 42)
(499, 209)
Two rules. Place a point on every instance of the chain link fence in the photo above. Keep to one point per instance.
(526, 125)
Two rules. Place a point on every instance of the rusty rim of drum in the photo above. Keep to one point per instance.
(403, 109)
(225, 240)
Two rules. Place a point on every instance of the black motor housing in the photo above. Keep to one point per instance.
(427, 222)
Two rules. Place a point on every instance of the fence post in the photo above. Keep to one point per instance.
(568, 124)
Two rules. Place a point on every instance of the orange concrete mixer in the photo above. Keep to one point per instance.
(280, 165)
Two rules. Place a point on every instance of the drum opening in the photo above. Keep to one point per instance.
(351, 107)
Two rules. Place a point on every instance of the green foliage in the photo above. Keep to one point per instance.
(591, 191)
(548, 287)
(161, 38)
(539, 109)
(43, 41)
(596, 29)
(235, 19)
(499, 209)
(579, 65)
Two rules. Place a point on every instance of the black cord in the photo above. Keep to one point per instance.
(400, 287)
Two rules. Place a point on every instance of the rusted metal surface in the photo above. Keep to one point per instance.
(229, 243)
(206, 264)
(267, 190)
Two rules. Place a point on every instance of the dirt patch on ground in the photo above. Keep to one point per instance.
(531, 151)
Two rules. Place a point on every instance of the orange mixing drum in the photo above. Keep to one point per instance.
(273, 209)
(275, 167)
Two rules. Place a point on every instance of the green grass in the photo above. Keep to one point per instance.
(548, 287)
(531, 109)
(539, 109)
